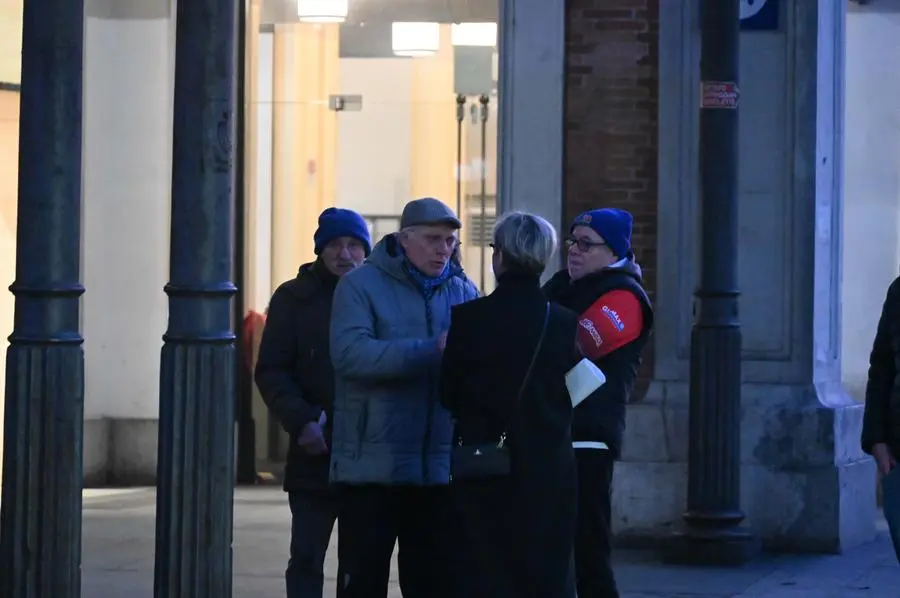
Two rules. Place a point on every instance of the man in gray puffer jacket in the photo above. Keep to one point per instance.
(391, 440)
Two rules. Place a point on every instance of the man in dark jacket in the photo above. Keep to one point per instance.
(881, 422)
(296, 379)
(602, 283)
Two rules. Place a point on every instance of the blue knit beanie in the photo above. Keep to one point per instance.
(612, 224)
(338, 222)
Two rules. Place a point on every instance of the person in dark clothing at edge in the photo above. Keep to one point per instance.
(881, 421)
(296, 379)
(602, 282)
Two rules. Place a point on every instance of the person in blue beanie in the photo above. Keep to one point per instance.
(602, 282)
(296, 379)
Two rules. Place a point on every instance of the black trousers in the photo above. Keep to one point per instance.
(313, 513)
(593, 537)
(374, 518)
(509, 552)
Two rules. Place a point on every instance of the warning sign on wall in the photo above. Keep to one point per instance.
(719, 94)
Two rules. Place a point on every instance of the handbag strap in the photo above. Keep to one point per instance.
(525, 380)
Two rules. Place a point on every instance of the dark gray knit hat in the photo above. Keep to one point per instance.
(428, 210)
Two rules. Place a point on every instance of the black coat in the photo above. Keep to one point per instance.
(601, 416)
(293, 370)
(881, 422)
(518, 530)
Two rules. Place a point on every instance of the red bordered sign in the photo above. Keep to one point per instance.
(719, 94)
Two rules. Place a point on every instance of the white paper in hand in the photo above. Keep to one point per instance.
(582, 380)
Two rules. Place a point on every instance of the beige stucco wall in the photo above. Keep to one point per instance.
(9, 151)
(10, 43)
(10, 69)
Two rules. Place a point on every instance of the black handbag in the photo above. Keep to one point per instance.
(487, 460)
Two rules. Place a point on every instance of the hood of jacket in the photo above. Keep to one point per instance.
(311, 278)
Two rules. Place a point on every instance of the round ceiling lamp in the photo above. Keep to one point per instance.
(474, 34)
(323, 11)
(415, 39)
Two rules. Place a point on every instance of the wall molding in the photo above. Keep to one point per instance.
(677, 158)
(794, 336)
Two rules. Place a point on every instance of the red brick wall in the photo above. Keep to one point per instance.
(612, 49)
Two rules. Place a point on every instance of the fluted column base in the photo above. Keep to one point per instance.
(712, 532)
(40, 516)
(194, 500)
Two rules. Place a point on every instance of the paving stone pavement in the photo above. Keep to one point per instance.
(118, 559)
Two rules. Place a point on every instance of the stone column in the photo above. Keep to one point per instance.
(531, 107)
(805, 483)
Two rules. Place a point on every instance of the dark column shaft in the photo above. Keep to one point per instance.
(714, 468)
(196, 433)
(40, 518)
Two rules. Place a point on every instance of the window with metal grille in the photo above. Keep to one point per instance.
(479, 229)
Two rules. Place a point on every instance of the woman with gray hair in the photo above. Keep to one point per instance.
(513, 467)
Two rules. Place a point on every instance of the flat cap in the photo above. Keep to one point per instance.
(428, 210)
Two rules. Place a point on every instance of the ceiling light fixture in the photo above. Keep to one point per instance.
(415, 39)
(323, 11)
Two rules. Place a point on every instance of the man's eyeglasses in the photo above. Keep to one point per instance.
(583, 245)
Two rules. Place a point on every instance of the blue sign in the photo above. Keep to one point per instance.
(759, 15)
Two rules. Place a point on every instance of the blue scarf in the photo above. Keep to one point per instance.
(427, 285)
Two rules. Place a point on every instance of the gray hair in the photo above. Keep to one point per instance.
(526, 241)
